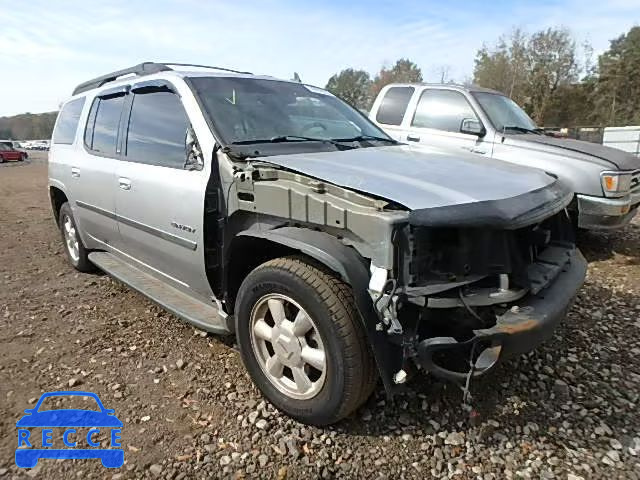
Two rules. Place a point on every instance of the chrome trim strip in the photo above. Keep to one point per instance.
(169, 237)
(183, 242)
(95, 209)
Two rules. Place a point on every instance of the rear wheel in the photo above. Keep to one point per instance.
(76, 253)
(302, 341)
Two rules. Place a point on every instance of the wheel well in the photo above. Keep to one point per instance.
(246, 254)
(58, 198)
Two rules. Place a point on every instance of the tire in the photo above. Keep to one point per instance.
(76, 253)
(348, 375)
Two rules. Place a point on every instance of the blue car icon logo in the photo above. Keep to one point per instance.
(74, 421)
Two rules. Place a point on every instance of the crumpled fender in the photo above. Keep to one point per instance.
(353, 269)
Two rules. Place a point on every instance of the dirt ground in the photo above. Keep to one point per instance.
(567, 410)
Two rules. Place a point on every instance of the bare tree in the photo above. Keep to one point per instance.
(443, 73)
(529, 68)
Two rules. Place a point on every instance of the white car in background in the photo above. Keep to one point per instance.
(606, 181)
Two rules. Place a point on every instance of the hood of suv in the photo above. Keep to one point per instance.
(418, 178)
(606, 156)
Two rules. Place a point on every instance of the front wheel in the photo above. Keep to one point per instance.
(302, 341)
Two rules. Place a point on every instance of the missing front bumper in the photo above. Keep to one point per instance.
(517, 331)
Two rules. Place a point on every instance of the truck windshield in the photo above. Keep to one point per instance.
(504, 113)
(247, 111)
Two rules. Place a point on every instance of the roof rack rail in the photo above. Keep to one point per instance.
(206, 66)
(145, 68)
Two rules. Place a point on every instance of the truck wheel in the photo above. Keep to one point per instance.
(76, 253)
(302, 341)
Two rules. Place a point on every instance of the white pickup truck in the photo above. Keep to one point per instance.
(606, 180)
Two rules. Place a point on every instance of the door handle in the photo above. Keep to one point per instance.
(412, 138)
(75, 172)
(124, 183)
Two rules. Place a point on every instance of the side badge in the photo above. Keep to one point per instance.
(185, 228)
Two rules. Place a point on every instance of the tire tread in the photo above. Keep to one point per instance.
(360, 372)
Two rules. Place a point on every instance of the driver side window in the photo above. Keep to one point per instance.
(157, 128)
(442, 110)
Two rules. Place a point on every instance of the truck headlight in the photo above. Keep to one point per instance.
(615, 184)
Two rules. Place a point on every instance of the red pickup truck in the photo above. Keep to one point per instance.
(8, 152)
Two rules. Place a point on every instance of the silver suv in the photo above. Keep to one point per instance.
(606, 180)
(273, 210)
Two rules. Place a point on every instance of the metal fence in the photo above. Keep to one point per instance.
(588, 134)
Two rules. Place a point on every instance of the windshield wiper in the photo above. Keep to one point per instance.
(280, 139)
(536, 131)
(360, 138)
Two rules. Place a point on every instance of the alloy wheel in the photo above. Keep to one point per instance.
(287, 344)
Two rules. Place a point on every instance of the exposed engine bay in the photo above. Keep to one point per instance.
(456, 290)
(454, 287)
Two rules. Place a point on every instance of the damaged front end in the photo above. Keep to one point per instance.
(472, 287)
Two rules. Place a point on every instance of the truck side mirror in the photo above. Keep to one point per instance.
(472, 126)
(193, 154)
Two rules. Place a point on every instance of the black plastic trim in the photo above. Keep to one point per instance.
(353, 269)
(504, 214)
(142, 69)
(154, 85)
(146, 68)
(519, 330)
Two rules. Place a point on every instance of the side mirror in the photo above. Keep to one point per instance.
(472, 126)
(193, 154)
(29, 410)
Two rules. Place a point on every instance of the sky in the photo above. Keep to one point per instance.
(47, 47)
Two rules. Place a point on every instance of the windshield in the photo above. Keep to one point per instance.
(250, 110)
(504, 112)
(5, 147)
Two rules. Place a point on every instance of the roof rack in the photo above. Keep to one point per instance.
(142, 69)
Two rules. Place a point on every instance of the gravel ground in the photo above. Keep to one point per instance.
(568, 410)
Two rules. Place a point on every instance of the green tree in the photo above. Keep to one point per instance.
(571, 105)
(504, 67)
(616, 96)
(551, 56)
(404, 71)
(353, 86)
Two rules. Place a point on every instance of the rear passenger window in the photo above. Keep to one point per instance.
(442, 110)
(101, 134)
(157, 129)
(394, 104)
(67, 122)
